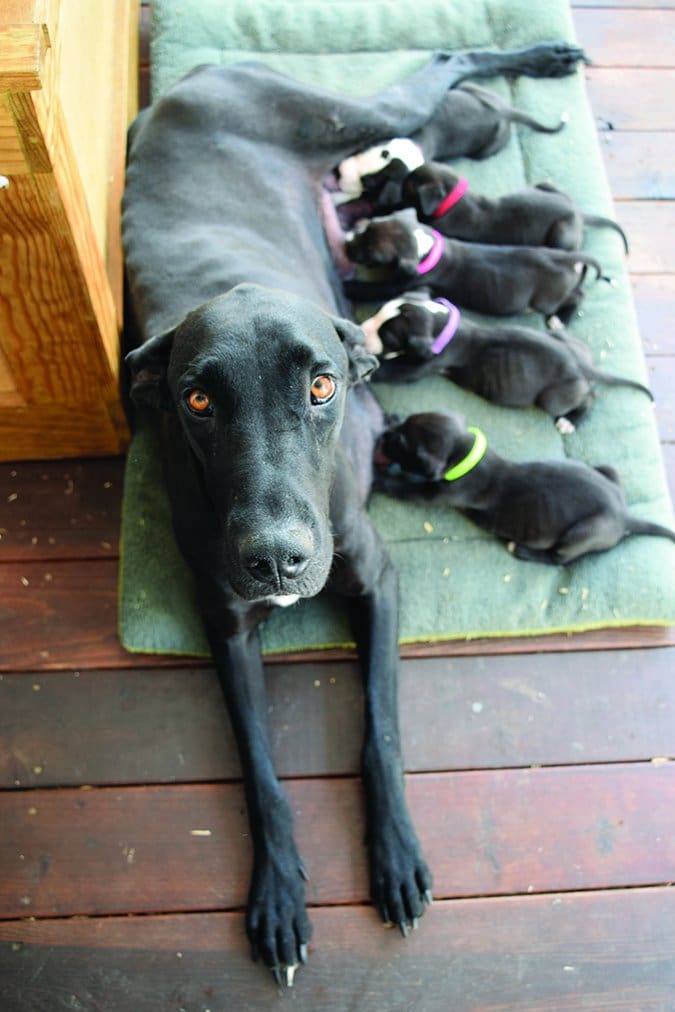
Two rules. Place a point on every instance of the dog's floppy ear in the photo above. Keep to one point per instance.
(148, 366)
(429, 196)
(361, 362)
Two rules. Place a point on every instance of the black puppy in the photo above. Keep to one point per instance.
(501, 280)
(514, 366)
(541, 215)
(267, 433)
(553, 511)
(476, 123)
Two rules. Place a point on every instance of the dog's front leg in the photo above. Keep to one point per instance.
(399, 877)
(276, 920)
(543, 59)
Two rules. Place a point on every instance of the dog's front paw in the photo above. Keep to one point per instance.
(277, 924)
(553, 59)
(399, 878)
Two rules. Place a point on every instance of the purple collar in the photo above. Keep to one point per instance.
(434, 254)
(450, 328)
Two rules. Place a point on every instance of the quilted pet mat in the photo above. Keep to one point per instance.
(456, 581)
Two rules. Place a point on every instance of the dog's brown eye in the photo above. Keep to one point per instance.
(198, 402)
(322, 389)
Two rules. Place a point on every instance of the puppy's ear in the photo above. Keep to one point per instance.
(361, 362)
(148, 366)
(429, 196)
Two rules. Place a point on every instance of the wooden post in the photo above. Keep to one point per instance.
(67, 89)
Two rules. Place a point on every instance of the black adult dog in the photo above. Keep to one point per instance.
(540, 215)
(501, 280)
(518, 367)
(267, 431)
(552, 511)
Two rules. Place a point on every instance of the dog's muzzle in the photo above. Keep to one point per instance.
(281, 562)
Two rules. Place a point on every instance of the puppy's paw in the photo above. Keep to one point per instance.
(555, 323)
(400, 879)
(277, 924)
(564, 426)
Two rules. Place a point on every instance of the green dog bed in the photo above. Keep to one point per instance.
(456, 581)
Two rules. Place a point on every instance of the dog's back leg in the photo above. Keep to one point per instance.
(566, 399)
(595, 533)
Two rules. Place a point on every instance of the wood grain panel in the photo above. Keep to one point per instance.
(22, 49)
(60, 509)
(60, 615)
(655, 304)
(12, 159)
(632, 99)
(662, 384)
(627, 38)
(51, 339)
(650, 227)
(155, 726)
(584, 950)
(132, 849)
(640, 163)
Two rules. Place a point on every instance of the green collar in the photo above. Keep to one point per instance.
(472, 458)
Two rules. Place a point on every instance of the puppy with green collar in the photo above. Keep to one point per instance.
(552, 511)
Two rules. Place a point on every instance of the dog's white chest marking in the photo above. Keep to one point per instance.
(284, 600)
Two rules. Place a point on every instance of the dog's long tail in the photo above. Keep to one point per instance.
(519, 116)
(635, 525)
(598, 219)
(494, 101)
(610, 380)
(589, 261)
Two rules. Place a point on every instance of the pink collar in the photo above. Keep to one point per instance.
(449, 329)
(434, 254)
(452, 198)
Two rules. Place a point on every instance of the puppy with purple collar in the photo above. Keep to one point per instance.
(540, 215)
(501, 280)
(517, 367)
(552, 511)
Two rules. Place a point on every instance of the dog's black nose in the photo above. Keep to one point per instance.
(275, 562)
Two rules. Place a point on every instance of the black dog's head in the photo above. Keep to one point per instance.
(385, 242)
(427, 186)
(406, 326)
(256, 381)
(421, 448)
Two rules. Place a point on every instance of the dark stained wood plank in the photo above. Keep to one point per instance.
(654, 296)
(627, 38)
(641, 4)
(63, 615)
(631, 98)
(649, 225)
(60, 509)
(662, 385)
(585, 950)
(150, 726)
(59, 614)
(640, 164)
(113, 850)
(144, 70)
(669, 459)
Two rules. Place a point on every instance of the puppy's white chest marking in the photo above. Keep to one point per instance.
(424, 242)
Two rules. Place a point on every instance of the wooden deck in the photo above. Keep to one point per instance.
(539, 772)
